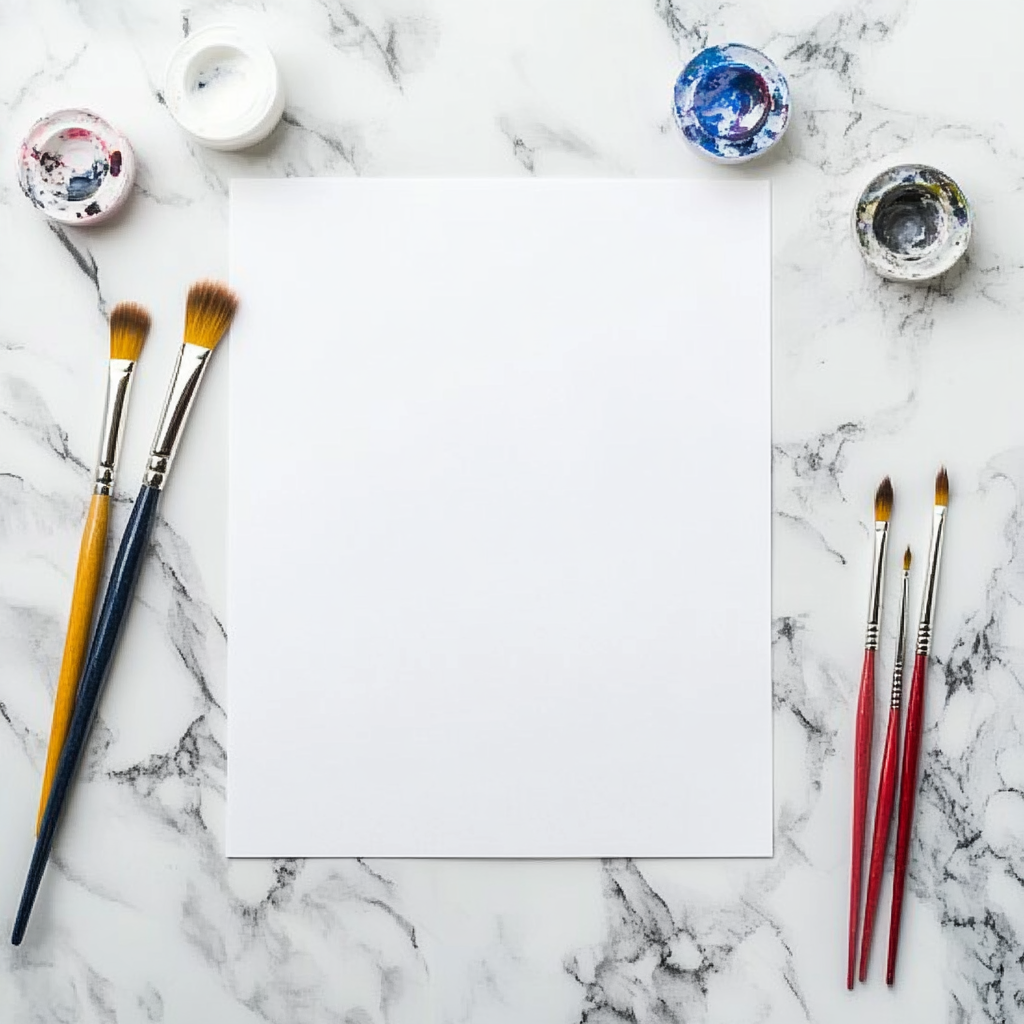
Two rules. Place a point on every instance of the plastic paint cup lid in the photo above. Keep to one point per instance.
(223, 87)
(76, 167)
(912, 223)
(731, 103)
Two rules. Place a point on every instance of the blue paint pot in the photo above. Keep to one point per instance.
(731, 103)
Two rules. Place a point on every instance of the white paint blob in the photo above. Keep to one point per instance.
(223, 88)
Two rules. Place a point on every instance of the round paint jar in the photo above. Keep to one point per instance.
(731, 103)
(223, 87)
(76, 167)
(912, 223)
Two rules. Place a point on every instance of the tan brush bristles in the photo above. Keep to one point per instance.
(906, 559)
(129, 325)
(208, 313)
(883, 501)
(942, 488)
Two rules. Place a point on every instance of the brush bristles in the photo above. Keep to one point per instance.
(883, 501)
(942, 488)
(906, 559)
(208, 313)
(129, 325)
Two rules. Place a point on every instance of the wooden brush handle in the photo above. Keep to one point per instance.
(116, 600)
(861, 772)
(83, 599)
(883, 818)
(908, 791)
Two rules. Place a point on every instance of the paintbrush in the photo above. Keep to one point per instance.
(129, 325)
(209, 312)
(866, 715)
(915, 719)
(886, 778)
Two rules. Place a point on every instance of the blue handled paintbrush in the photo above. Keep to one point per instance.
(209, 311)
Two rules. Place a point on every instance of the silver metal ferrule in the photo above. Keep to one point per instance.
(119, 384)
(924, 630)
(901, 645)
(188, 372)
(877, 578)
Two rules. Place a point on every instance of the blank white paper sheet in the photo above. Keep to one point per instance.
(500, 519)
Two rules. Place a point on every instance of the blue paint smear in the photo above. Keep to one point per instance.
(731, 102)
(85, 184)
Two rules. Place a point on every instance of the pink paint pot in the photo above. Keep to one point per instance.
(76, 167)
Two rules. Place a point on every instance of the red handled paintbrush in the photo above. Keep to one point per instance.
(866, 716)
(887, 776)
(915, 719)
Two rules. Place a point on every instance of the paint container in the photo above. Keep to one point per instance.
(76, 167)
(731, 103)
(223, 87)
(912, 223)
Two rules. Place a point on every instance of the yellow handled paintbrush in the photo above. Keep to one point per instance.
(129, 325)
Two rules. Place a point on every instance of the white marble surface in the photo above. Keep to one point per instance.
(140, 917)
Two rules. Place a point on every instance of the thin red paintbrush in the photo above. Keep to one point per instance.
(915, 719)
(886, 779)
(866, 716)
